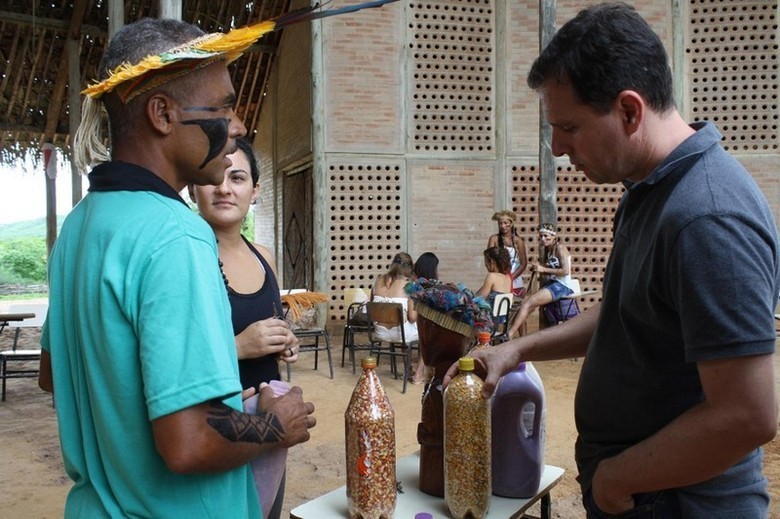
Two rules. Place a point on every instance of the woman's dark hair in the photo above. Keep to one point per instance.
(427, 266)
(499, 256)
(245, 146)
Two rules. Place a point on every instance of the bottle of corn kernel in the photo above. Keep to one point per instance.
(467, 453)
(370, 448)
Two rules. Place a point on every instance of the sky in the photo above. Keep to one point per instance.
(23, 191)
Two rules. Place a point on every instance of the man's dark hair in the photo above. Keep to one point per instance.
(604, 50)
(131, 44)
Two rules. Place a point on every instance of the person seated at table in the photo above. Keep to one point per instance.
(499, 277)
(554, 269)
(389, 288)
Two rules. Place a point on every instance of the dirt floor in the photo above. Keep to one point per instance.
(34, 484)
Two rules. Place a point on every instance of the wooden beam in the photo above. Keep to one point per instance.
(74, 113)
(170, 9)
(116, 16)
(52, 118)
(6, 126)
(548, 209)
(48, 23)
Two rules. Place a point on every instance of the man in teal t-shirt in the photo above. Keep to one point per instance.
(138, 343)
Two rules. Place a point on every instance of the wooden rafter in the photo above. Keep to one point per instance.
(34, 76)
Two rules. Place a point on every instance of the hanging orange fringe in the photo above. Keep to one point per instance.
(301, 301)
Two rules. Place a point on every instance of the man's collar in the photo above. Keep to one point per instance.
(706, 136)
(122, 176)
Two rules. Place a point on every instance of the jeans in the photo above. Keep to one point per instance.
(655, 505)
(739, 493)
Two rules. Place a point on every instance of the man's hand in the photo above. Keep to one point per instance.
(607, 493)
(490, 364)
(294, 415)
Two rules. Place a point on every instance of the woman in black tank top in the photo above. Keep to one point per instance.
(263, 338)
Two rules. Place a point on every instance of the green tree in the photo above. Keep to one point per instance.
(25, 257)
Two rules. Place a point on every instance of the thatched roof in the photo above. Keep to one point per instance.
(34, 104)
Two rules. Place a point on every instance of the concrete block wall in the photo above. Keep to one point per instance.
(450, 210)
(395, 85)
(283, 134)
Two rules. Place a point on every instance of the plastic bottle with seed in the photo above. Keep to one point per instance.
(370, 448)
(467, 479)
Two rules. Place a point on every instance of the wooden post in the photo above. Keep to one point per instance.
(170, 9)
(502, 179)
(116, 17)
(52, 118)
(74, 116)
(548, 210)
(548, 189)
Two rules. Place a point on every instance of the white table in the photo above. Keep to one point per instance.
(334, 504)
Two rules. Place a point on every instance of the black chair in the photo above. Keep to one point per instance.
(312, 337)
(391, 315)
(353, 327)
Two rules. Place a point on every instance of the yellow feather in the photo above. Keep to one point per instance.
(237, 40)
(122, 73)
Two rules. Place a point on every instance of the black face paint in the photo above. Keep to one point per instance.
(201, 109)
(216, 131)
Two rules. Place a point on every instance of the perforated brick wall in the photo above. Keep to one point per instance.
(400, 126)
(733, 71)
(585, 216)
(365, 226)
(452, 57)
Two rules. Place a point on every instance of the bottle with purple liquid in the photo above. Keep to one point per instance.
(518, 429)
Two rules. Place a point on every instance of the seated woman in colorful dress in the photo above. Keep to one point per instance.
(554, 269)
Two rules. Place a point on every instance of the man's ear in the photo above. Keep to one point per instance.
(159, 112)
(632, 109)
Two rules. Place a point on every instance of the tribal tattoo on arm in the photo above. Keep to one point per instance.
(263, 427)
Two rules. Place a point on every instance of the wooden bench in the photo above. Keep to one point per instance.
(20, 316)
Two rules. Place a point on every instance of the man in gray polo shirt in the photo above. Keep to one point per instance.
(677, 390)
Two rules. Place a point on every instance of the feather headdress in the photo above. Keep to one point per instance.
(228, 46)
(451, 306)
(501, 215)
(132, 79)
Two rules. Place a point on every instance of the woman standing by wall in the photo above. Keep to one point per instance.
(508, 238)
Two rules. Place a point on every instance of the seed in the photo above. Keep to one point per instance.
(467, 463)
(370, 446)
